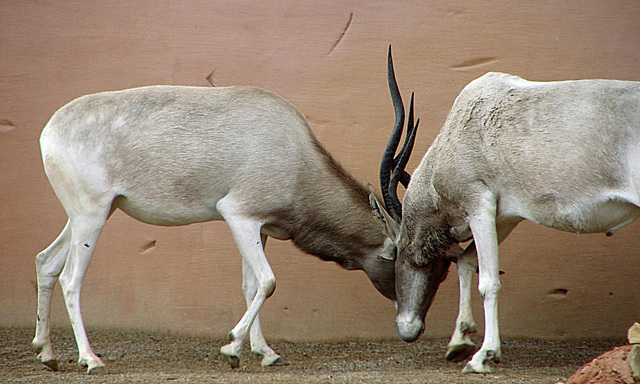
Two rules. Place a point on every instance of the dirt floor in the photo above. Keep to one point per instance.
(136, 357)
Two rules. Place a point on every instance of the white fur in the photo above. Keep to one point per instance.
(178, 155)
(564, 155)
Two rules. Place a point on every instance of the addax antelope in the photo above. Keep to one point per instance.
(175, 155)
(564, 154)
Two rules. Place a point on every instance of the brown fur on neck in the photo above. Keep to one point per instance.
(334, 220)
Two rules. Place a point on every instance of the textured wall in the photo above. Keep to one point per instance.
(328, 58)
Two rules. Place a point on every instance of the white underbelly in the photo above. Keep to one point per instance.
(604, 216)
(168, 213)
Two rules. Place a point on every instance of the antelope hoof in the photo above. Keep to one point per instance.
(269, 357)
(45, 355)
(459, 352)
(473, 367)
(272, 361)
(232, 355)
(234, 361)
(94, 365)
(96, 370)
(51, 364)
(47, 359)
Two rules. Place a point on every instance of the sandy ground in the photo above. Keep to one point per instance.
(136, 357)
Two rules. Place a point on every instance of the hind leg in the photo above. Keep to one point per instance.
(49, 264)
(85, 230)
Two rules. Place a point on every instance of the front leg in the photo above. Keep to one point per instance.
(247, 236)
(246, 232)
(485, 236)
(259, 345)
(461, 346)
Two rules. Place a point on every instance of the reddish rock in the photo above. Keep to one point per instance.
(609, 368)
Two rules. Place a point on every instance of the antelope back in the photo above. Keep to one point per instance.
(170, 153)
(551, 151)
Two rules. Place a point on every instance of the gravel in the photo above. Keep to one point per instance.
(143, 357)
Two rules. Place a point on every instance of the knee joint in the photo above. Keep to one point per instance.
(269, 287)
(41, 258)
(489, 289)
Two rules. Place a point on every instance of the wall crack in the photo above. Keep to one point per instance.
(6, 126)
(472, 63)
(344, 32)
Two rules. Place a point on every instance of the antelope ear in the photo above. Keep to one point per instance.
(390, 251)
(388, 225)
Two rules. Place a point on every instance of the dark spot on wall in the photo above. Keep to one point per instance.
(148, 246)
(468, 64)
(210, 78)
(558, 292)
(6, 126)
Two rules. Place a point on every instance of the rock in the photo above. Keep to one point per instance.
(634, 334)
(634, 361)
(611, 367)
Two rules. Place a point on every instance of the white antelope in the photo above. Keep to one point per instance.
(171, 155)
(565, 155)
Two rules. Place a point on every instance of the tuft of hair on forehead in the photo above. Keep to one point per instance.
(433, 244)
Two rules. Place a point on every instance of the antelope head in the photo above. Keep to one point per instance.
(417, 278)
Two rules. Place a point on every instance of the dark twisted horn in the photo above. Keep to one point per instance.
(392, 167)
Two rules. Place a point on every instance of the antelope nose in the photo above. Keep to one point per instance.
(409, 327)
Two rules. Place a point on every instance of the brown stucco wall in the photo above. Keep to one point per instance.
(328, 59)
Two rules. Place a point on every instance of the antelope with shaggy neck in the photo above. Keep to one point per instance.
(565, 155)
(172, 155)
